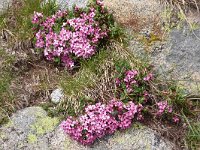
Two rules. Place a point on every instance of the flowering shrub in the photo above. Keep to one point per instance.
(163, 107)
(133, 90)
(133, 85)
(100, 120)
(71, 35)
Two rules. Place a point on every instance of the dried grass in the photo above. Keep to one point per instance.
(185, 4)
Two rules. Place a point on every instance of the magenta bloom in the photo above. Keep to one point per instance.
(148, 77)
(176, 119)
(77, 37)
(100, 120)
(163, 107)
(37, 17)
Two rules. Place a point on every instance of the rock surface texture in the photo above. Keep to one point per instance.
(32, 129)
(180, 59)
(28, 129)
(175, 54)
(69, 3)
(4, 4)
(57, 95)
(135, 14)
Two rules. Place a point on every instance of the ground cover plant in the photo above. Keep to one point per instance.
(6, 76)
(16, 21)
(72, 34)
(133, 101)
(106, 87)
(16, 28)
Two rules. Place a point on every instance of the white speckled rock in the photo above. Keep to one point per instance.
(4, 4)
(57, 95)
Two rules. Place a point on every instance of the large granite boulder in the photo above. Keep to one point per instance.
(28, 129)
(180, 59)
(32, 129)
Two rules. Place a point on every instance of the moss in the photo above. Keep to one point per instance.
(2, 136)
(44, 125)
(32, 138)
(40, 114)
(9, 124)
(67, 144)
(138, 126)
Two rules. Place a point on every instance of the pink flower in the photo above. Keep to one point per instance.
(77, 37)
(148, 77)
(37, 17)
(117, 81)
(176, 119)
(100, 120)
(130, 75)
(162, 107)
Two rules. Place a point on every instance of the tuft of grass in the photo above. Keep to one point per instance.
(193, 135)
(86, 78)
(185, 3)
(94, 80)
(6, 76)
(17, 19)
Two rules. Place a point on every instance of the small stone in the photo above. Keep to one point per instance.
(4, 5)
(57, 95)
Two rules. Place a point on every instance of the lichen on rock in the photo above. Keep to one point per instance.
(44, 125)
(32, 138)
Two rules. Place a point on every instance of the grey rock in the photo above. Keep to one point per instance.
(32, 129)
(57, 95)
(141, 138)
(4, 5)
(176, 58)
(180, 59)
(28, 129)
(69, 3)
(134, 14)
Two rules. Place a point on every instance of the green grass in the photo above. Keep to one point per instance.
(86, 78)
(193, 135)
(6, 76)
(17, 19)
(90, 74)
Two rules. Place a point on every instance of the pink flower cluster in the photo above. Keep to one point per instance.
(148, 77)
(163, 107)
(130, 79)
(176, 119)
(36, 18)
(77, 37)
(100, 120)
